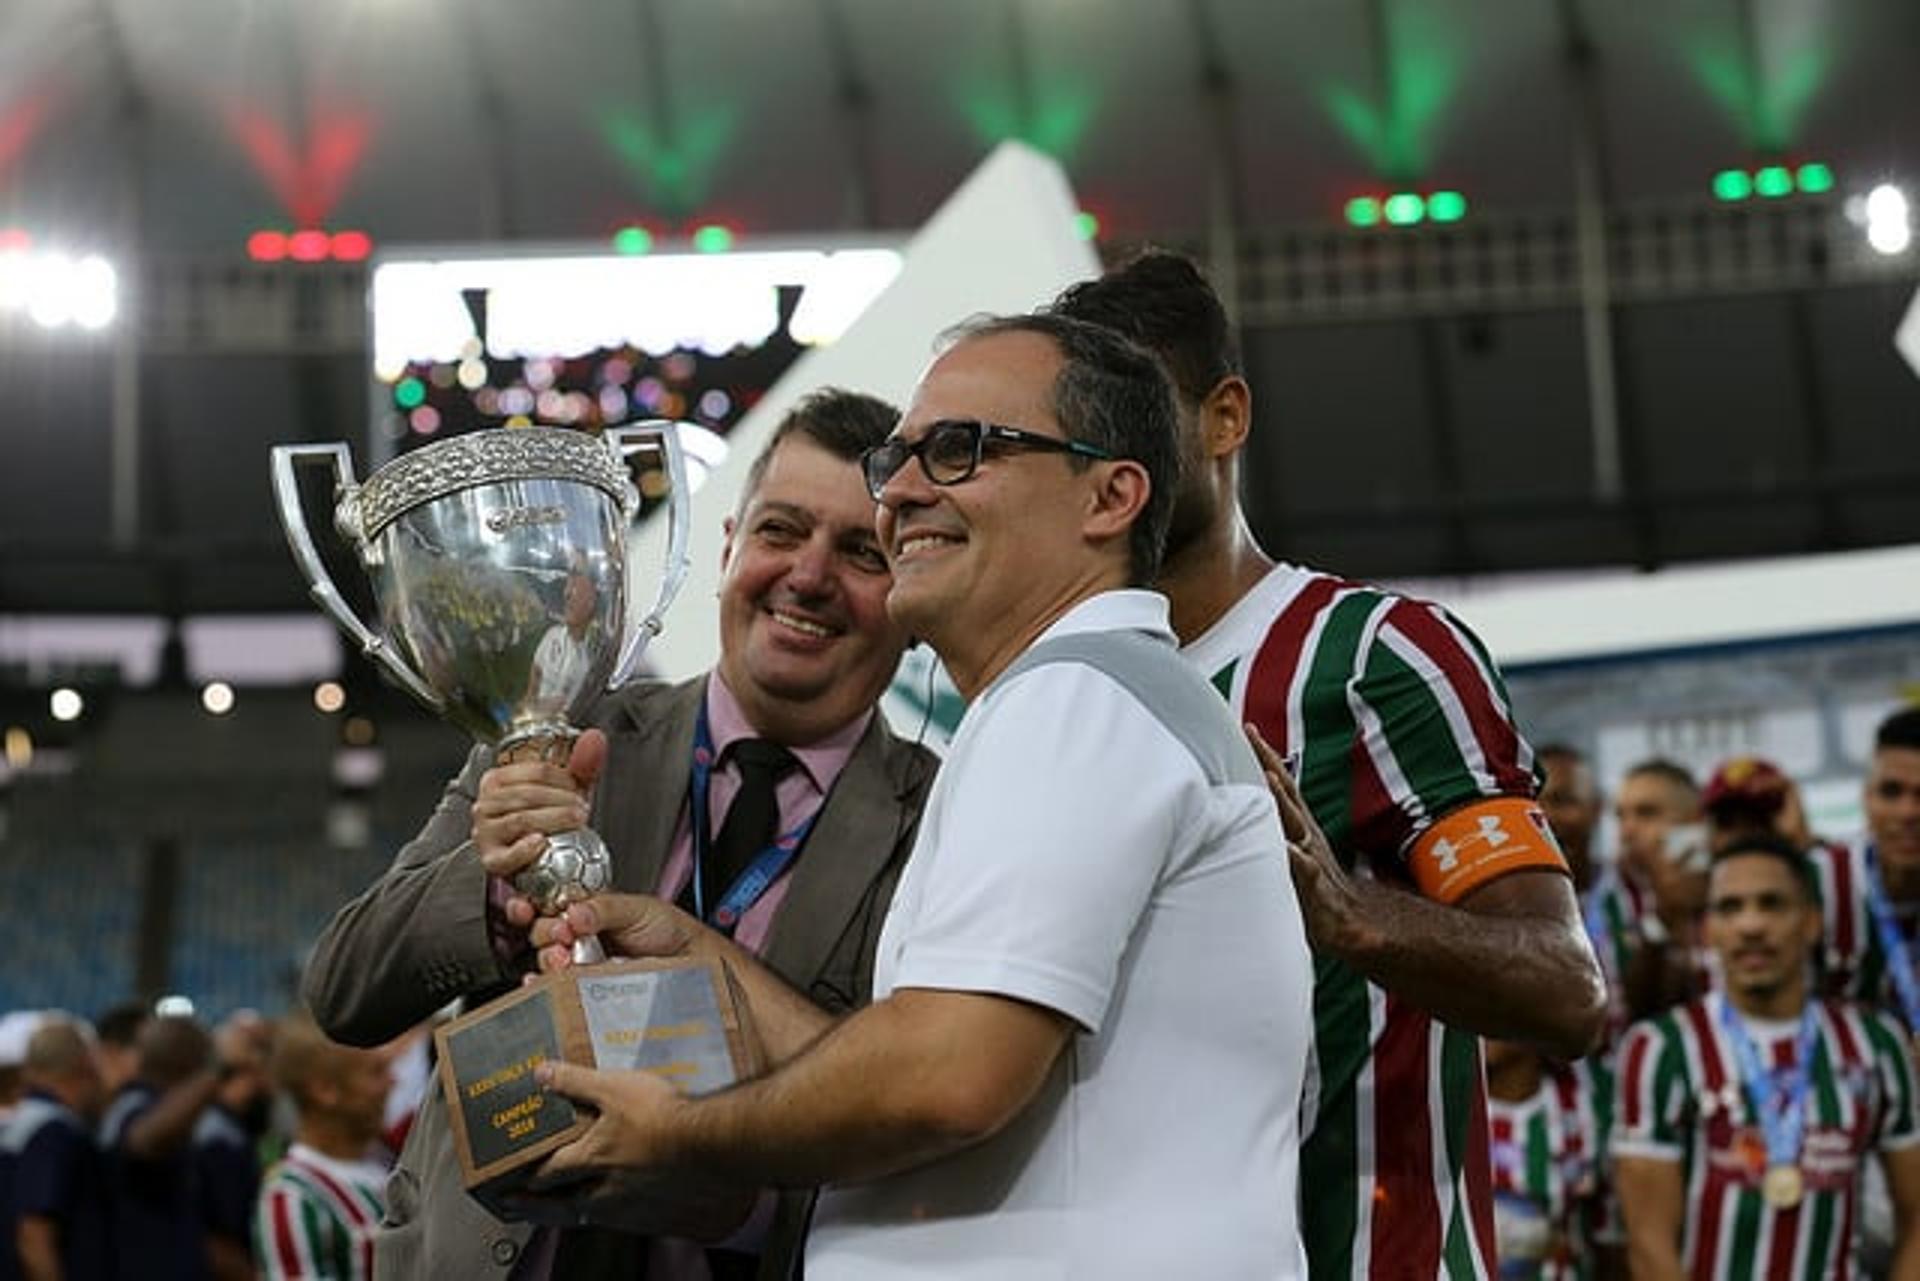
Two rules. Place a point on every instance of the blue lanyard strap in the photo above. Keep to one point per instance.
(1776, 1096)
(1892, 942)
(765, 867)
(1594, 910)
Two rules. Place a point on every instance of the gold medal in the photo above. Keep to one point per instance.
(1783, 1186)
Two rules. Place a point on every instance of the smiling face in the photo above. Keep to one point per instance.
(1762, 923)
(1893, 805)
(983, 566)
(805, 641)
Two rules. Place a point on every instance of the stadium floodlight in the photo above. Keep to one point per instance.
(1889, 220)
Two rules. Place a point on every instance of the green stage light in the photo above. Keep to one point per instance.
(632, 240)
(1814, 179)
(409, 392)
(1363, 211)
(1086, 224)
(1732, 184)
(1404, 208)
(1446, 206)
(1773, 182)
(712, 239)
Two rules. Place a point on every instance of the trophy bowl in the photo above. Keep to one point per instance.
(498, 561)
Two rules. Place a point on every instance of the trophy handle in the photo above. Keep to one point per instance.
(624, 441)
(320, 585)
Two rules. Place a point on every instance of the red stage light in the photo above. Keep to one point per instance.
(267, 246)
(351, 246)
(307, 246)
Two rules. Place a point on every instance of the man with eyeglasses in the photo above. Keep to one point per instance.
(1095, 920)
(1439, 906)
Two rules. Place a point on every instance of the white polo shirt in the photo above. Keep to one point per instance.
(1074, 854)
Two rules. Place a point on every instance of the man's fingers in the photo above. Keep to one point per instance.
(1286, 793)
(583, 919)
(547, 931)
(588, 758)
(582, 1085)
(503, 858)
(544, 810)
(520, 912)
(563, 1166)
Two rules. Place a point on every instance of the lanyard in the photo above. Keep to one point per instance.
(1595, 912)
(1777, 1096)
(1893, 943)
(765, 867)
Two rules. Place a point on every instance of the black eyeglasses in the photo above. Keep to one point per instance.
(950, 451)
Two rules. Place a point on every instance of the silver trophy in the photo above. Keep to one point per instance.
(499, 564)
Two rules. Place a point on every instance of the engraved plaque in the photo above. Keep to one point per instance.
(684, 1020)
(667, 1022)
(501, 1108)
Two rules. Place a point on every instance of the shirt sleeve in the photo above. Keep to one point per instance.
(1899, 1121)
(1652, 1105)
(1434, 729)
(45, 1173)
(1062, 809)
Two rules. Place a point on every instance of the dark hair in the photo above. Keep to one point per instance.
(1161, 301)
(844, 423)
(1772, 845)
(1662, 768)
(1559, 751)
(121, 1024)
(1902, 729)
(1113, 395)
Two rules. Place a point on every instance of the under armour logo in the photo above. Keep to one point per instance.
(1447, 853)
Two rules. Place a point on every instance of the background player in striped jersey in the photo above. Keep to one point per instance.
(1870, 905)
(320, 1205)
(1660, 891)
(1548, 1144)
(1448, 910)
(1870, 889)
(1744, 1116)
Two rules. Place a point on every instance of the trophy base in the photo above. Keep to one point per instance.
(683, 1020)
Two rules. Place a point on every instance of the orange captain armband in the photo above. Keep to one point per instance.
(1480, 842)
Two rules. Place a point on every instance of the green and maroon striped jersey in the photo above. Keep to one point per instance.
(1395, 716)
(1549, 1184)
(1680, 1099)
(1853, 960)
(316, 1218)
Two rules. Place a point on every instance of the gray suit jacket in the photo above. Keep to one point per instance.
(418, 939)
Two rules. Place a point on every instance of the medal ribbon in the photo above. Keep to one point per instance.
(1777, 1096)
(1893, 943)
(766, 866)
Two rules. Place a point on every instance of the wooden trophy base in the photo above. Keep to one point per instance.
(683, 1020)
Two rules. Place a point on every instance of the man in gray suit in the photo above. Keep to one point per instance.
(806, 648)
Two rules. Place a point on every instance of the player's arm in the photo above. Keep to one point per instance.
(1902, 1166)
(1504, 957)
(37, 1240)
(1652, 1201)
(904, 1081)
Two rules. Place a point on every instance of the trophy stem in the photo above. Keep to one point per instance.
(552, 742)
(587, 951)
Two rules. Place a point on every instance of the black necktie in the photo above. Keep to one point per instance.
(752, 820)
